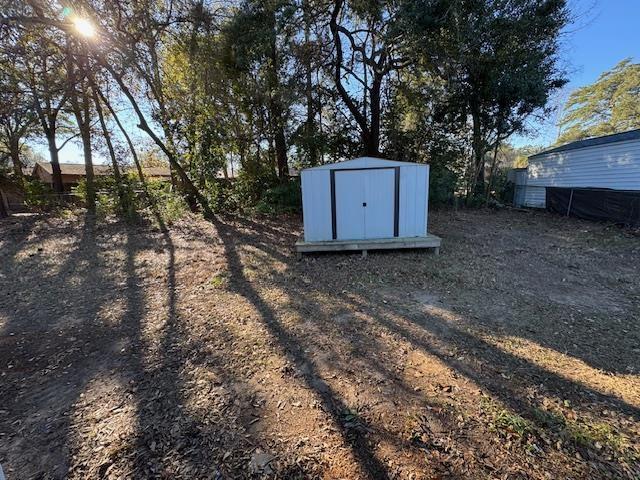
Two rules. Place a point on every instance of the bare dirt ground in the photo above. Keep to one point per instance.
(210, 352)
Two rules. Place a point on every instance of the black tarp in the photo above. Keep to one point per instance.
(618, 206)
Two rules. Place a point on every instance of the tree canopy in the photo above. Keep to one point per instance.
(256, 89)
(609, 105)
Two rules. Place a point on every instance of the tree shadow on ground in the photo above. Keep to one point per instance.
(294, 352)
(157, 352)
(482, 364)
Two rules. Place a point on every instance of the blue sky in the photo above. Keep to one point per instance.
(602, 33)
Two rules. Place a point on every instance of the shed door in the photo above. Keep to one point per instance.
(365, 203)
(350, 198)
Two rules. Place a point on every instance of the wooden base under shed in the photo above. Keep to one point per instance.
(429, 241)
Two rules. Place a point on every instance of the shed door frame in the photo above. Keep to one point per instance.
(396, 197)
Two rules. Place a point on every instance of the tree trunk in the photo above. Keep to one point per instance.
(14, 148)
(477, 180)
(134, 154)
(277, 112)
(281, 147)
(143, 125)
(58, 187)
(492, 169)
(122, 200)
(310, 127)
(4, 210)
(82, 113)
(372, 147)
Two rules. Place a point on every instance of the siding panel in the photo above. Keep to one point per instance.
(316, 205)
(535, 197)
(614, 166)
(414, 181)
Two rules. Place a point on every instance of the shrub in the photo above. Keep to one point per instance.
(251, 185)
(283, 198)
(39, 195)
(221, 195)
(169, 205)
(162, 201)
(502, 189)
(442, 186)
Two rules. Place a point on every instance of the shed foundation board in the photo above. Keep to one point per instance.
(428, 241)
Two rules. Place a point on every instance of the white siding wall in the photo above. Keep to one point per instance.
(414, 182)
(614, 165)
(316, 205)
(535, 197)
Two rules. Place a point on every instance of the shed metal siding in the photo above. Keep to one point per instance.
(316, 205)
(613, 165)
(414, 181)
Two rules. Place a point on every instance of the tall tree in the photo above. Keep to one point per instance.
(258, 41)
(117, 176)
(368, 48)
(81, 104)
(499, 60)
(609, 105)
(17, 115)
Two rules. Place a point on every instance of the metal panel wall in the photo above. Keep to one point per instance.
(614, 165)
(534, 196)
(316, 205)
(414, 198)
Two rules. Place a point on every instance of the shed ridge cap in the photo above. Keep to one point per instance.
(327, 166)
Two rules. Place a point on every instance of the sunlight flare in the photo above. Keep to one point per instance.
(84, 27)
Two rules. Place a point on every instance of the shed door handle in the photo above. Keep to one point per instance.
(364, 204)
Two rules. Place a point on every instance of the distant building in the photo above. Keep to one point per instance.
(597, 178)
(72, 173)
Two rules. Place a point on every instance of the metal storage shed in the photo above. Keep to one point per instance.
(365, 204)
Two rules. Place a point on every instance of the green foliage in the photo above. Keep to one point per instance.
(501, 188)
(39, 195)
(170, 205)
(442, 186)
(499, 66)
(221, 195)
(283, 198)
(610, 105)
(252, 183)
(162, 201)
(549, 419)
(513, 423)
(253, 84)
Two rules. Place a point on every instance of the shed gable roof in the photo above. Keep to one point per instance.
(363, 162)
(593, 142)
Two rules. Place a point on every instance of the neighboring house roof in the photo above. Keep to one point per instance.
(592, 142)
(155, 171)
(74, 168)
(78, 169)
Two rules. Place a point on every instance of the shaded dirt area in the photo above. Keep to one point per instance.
(210, 352)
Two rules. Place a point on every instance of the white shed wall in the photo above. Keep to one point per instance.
(414, 198)
(316, 205)
(613, 165)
